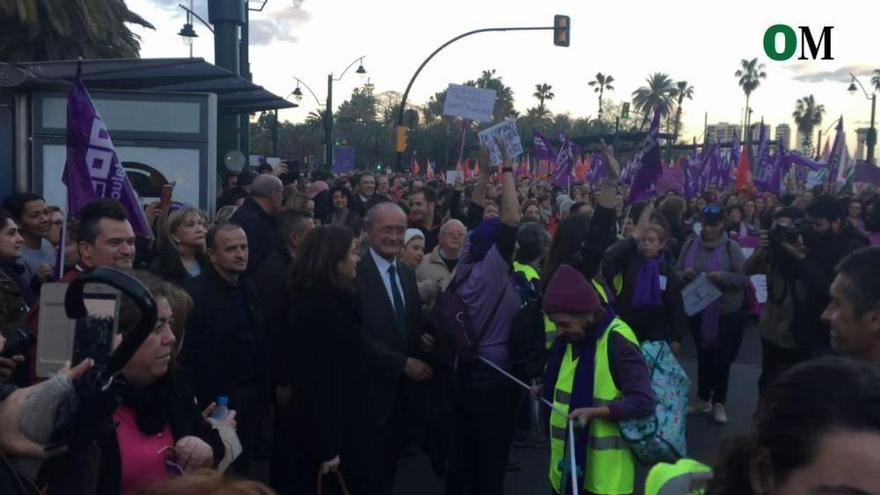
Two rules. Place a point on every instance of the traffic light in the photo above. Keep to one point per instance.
(561, 29)
(624, 113)
(401, 139)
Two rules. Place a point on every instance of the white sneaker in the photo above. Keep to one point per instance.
(700, 407)
(719, 414)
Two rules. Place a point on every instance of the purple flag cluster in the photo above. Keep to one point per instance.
(646, 167)
(93, 170)
(597, 171)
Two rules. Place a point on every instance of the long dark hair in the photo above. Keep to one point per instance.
(317, 268)
(793, 416)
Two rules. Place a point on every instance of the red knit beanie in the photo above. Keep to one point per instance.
(569, 292)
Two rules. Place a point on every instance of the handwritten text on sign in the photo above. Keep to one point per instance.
(469, 103)
(507, 135)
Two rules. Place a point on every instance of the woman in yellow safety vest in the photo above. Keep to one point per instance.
(597, 376)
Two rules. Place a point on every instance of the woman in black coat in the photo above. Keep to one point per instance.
(329, 426)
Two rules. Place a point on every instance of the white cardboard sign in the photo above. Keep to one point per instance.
(470, 103)
(698, 294)
(507, 134)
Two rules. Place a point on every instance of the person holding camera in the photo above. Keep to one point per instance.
(779, 350)
(821, 243)
(15, 293)
(159, 433)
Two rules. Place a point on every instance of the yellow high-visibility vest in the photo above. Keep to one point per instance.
(610, 468)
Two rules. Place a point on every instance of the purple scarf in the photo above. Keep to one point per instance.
(582, 388)
(647, 291)
(712, 313)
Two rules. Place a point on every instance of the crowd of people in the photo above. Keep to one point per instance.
(316, 309)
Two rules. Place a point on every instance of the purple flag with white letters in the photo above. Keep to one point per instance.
(763, 173)
(647, 167)
(691, 172)
(564, 175)
(543, 149)
(93, 170)
(597, 170)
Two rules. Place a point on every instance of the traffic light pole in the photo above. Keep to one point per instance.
(402, 109)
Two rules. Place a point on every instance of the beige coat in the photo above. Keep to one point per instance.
(434, 269)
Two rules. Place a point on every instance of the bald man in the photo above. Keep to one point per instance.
(392, 325)
(257, 217)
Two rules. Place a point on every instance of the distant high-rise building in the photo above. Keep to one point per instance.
(722, 132)
(783, 133)
(756, 131)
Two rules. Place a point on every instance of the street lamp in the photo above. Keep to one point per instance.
(328, 105)
(872, 131)
(187, 33)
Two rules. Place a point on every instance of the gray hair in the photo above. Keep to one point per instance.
(448, 224)
(370, 219)
(264, 185)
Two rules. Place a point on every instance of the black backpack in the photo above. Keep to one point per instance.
(526, 344)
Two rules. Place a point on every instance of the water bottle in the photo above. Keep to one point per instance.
(222, 409)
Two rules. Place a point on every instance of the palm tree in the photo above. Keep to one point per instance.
(682, 90)
(659, 94)
(36, 30)
(875, 80)
(750, 75)
(543, 92)
(600, 84)
(807, 115)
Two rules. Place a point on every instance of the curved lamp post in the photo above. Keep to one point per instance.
(561, 29)
(328, 105)
(872, 131)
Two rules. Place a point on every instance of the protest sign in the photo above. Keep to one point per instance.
(469, 103)
(759, 282)
(507, 134)
(698, 294)
(451, 177)
(344, 162)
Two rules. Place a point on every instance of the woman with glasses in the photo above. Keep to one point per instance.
(718, 328)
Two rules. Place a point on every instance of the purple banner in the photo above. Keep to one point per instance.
(646, 165)
(93, 170)
(564, 175)
(543, 149)
(866, 172)
(597, 170)
(343, 162)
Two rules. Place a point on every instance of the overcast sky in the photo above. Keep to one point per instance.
(697, 41)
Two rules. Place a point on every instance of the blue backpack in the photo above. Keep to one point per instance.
(661, 437)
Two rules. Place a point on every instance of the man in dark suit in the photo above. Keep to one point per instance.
(392, 324)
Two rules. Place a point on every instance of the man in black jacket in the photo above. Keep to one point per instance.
(225, 351)
(392, 325)
(827, 240)
(257, 217)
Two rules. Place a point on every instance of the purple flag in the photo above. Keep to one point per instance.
(543, 150)
(597, 171)
(836, 153)
(763, 173)
(648, 167)
(564, 174)
(732, 161)
(867, 172)
(690, 170)
(93, 170)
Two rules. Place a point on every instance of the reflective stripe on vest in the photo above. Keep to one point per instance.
(685, 477)
(610, 464)
(527, 270)
(600, 289)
